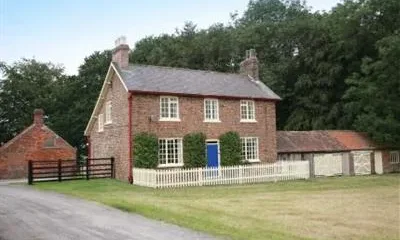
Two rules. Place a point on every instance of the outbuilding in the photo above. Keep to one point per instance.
(337, 152)
(36, 142)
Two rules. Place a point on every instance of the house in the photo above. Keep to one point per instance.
(349, 152)
(36, 142)
(171, 102)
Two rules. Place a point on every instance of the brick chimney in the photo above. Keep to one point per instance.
(249, 66)
(38, 116)
(120, 54)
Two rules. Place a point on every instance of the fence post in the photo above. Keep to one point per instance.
(30, 172)
(311, 166)
(240, 174)
(112, 168)
(59, 170)
(87, 168)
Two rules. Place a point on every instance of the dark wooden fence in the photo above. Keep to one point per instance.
(62, 170)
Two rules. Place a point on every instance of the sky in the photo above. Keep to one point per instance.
(64, 32)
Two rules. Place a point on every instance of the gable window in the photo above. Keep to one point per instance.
(100, 120)
(108, 112)
(170, 152)
(49, 142)
(250, 149)
(169, 109)
(247, 111)
(395, 157)
(211, 110)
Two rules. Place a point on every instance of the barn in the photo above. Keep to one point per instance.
(337, 152)
(36, 142)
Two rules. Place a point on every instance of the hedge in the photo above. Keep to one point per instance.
(230, 148)
(145, 150)
(194, 150)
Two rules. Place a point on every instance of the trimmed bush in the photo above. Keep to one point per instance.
(145, 150)
(194, 150)
(230, 148)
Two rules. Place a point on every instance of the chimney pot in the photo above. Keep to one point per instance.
(120, 54)
(38, 116)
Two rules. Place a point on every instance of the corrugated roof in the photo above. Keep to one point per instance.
(323, 141)
(197, 82)
(306, 141)
(353, 140)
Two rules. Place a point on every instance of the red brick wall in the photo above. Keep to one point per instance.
(191, 113)
(30, 146)
(387, 166)
(113, 141)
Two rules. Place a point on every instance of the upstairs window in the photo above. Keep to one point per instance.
(250, 149)
(394, 157)
(108, 112)
(169, 109)
(170, 152)
(100, 120)
(211, 110)
(247, 111)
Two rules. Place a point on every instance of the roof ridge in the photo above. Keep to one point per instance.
(186, 69)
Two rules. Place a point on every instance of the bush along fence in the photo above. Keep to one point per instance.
(62, 170)
(165, 178)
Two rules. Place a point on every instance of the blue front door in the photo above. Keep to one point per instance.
(212, 154)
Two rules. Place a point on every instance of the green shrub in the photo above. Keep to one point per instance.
(194, 150)
(230, 148)
(145, 150)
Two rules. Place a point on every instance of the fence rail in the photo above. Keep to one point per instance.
(70, 169)
(164, 178)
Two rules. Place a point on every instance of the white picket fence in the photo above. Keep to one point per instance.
(165, 178)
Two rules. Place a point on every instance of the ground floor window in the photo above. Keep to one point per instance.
(250, 149)
(395, 157)
(170, 152)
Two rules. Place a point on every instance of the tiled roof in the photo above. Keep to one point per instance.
(197, 82)
(323, 141)
(353, 140)
(306, 141)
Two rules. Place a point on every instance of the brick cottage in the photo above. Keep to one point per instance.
(171, 102)
(36, 142)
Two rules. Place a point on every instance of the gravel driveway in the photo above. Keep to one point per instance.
(27, 213)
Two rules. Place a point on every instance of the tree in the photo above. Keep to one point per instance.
(373, 96)
(28, 84)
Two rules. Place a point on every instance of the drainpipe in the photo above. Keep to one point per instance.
(130, 177)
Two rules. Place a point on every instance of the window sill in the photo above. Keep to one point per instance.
(107, 123)
(212, 121)
(169, 120)
(170, 165)
(248, 121)
(100, 131)
(252, 161)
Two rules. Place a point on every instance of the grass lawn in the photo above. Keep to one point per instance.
(365, 207)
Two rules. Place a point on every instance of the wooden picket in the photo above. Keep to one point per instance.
(242, 174)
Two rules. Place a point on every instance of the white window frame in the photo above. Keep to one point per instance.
(394, 157)
(243, 142)
(108, 112)
(179, 152)
(247, 117)
(100, 120)
(213, 101)
(169, 118)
